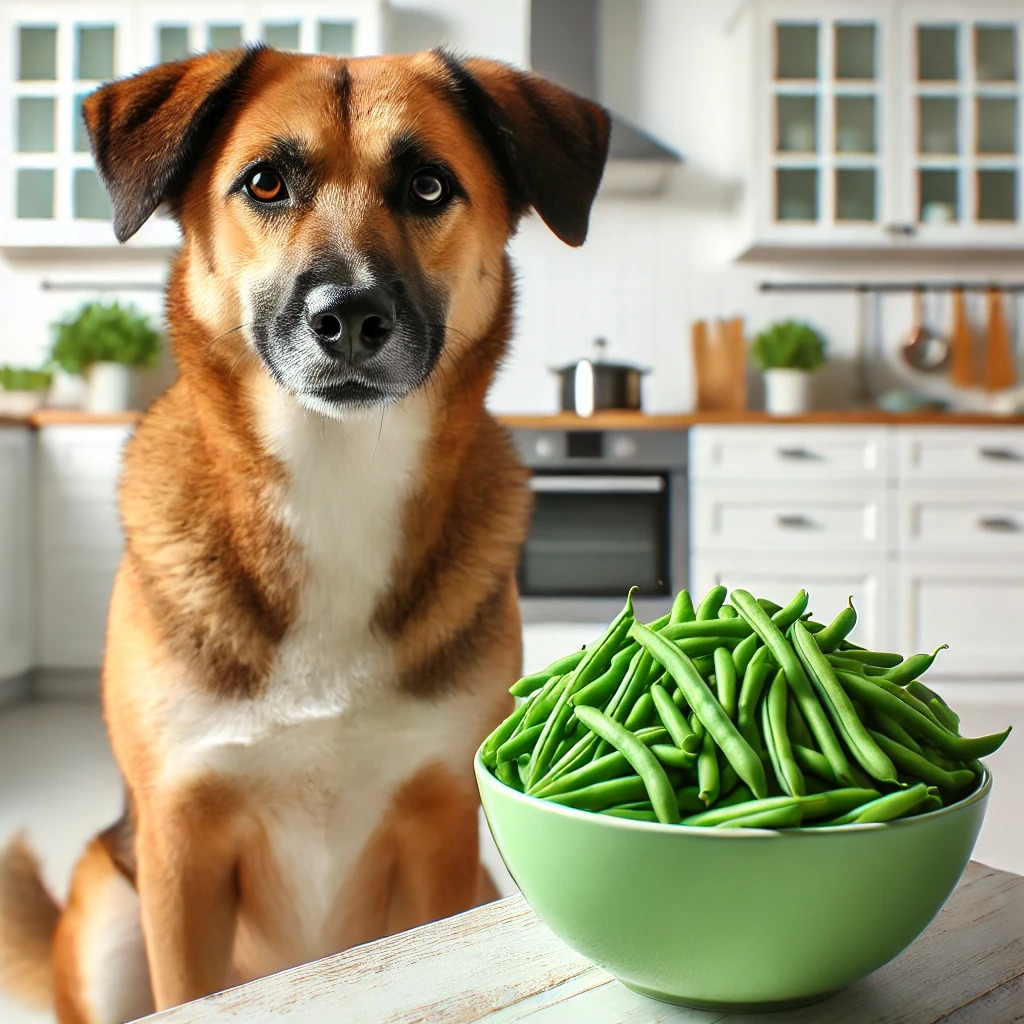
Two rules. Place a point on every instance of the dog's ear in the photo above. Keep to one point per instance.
(147, 131)
(550, 144)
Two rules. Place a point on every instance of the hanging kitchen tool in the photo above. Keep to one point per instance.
(590, 385)
(924, 350)
(720, 364)
(962, 372)
(999, 371)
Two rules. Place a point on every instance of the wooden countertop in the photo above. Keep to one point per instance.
(498, 963)
(71, 417)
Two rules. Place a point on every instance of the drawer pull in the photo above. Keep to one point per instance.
(999, 524)
(797, 453)
(794, 522)
(1000, 454)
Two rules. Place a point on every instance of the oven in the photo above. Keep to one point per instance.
(610, 512)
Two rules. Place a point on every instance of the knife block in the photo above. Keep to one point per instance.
(720, 365)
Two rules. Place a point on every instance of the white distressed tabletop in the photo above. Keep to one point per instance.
(499, 964)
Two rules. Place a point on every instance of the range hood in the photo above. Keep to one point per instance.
(565, 46)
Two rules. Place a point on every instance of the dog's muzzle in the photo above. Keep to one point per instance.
(351, 324)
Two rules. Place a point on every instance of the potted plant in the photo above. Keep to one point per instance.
(22, 390)
(105, 341)
(787, 353)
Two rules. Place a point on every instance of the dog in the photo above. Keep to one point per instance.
(315, 620)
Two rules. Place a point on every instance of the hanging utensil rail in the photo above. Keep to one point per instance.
(888, 286)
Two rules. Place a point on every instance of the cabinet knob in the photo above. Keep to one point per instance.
(1000, 454)
(623, 447)
(796, 453)
(544, 447)
(902, 230)
(794, 522)
(999, 524)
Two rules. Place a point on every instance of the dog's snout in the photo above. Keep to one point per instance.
(350, 323)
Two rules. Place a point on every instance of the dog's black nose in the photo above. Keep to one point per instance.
(350, 322)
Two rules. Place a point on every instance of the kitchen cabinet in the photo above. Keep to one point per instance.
(17, 578)
(80, 541)
(54, 54)
(885, 124)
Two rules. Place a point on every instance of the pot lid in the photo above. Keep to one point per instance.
(598, 362)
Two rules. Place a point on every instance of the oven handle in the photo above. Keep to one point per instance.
(546, 484)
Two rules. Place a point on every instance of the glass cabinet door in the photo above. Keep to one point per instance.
(827, 148)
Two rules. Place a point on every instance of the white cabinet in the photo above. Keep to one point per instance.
(883, 123)
(53, 54)
(17, 578)
(80, 540)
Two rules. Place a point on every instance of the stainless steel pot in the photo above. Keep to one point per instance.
(590, 385)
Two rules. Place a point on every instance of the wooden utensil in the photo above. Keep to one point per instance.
(962, 344)
(720, 364)
(924, 349)
(999, 371)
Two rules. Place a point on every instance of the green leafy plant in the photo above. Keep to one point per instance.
(15, 378)
(789, 345)
(104, 332)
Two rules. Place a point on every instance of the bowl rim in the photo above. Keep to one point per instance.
(483, 772)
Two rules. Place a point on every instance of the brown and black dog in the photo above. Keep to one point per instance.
(315, 620)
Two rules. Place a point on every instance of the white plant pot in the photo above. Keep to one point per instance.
(109, 387)
(787, 392)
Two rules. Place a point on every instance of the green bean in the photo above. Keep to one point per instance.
(696, 725)
(544, 701)
(841, 661)
(682, 608)
(603, 794)
(728, 612)
(645, 764)
(920, 691)
(732, 630)
(688, 798)
(507, 773)
(829, 638)
(921, 768)
(738, 810)
(642, 712)
(652, 734)
(734, 747)
(744, 651)
(675, 721)
(660, 623)
(867, 752)
(725, 675)
(787, 771)
(521, 743)
(785, 617)
(708, 777)
(531, 683)
(839, 801)
(490, 746)
(815, 763)
(896, 732)
(796, 726)
(750, 693)
(713, 600)
(813, 712)
(948, 718)
(626, 812)
(550, 737)
(769, 606)
(916, 665)
(598, 692)
(885, 808)
(780, 817)
(672, 756)
(611, 766)
(904, 694)
(917, 724)
(678, 698)
(877, 659)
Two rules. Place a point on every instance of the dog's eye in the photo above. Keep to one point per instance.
(265, 185)
(429, 188)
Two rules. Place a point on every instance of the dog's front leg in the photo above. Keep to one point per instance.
(187, 889)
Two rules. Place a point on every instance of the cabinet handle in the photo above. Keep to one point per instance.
(794, 522)
(999, 524)
(797, 453)
(906, 230)
(1000, 454)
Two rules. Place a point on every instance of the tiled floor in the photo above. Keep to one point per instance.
(58, 780)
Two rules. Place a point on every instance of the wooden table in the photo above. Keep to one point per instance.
(500, 964)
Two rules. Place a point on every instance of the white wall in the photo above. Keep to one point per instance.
(650, 266)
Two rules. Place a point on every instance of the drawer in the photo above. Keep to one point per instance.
(81, 458)
(794, 518)
(796, 453)
(980, 520)
(963, 453)
(972, 606)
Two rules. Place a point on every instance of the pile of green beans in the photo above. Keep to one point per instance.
(736, 713)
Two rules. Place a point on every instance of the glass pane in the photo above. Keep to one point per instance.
(937, 124)
(282, 37)
(997, 125)
(855, 194)
(997, 195)
(796, 51)
(855, 124)
(940, 203)
(37, 54)
(94, 53)
(855, 51)
(223, 37)
(936, 53)
(172, 42)
(796, 126)
(995, 53)
(796, 194)
(34, 190)
(90, 198)
(335, 37)
(81, 136)
(36, 124)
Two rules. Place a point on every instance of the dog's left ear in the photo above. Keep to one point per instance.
(550, 144)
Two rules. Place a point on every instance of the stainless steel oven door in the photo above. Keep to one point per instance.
(597, 535)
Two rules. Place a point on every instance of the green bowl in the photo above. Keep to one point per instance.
(738, 919)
